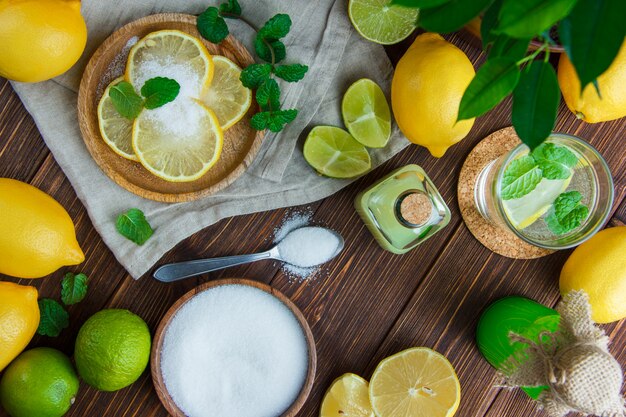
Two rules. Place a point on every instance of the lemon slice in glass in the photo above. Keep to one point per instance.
(348, 396)
(366, 113)
(172, 54)
(335, 153)
(378, 21)
(524, 211)
(178, 142)
(115, 129)
(227, 96)
(415, 382)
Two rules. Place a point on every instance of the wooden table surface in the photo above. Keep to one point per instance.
(368, 304)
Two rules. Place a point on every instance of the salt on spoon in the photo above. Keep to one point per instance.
(305, 247)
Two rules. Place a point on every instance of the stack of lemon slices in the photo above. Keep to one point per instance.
(183, 139)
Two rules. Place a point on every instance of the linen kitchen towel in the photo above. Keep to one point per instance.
(322, 37)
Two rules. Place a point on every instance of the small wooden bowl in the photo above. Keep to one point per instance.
(157, 345)
(241, 142)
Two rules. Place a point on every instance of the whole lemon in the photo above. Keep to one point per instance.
(41, 382)
(19, 319)
(589, 106)
(40, 39)
(598, 267)
(426, 91)
(37, 236)
(112, 349)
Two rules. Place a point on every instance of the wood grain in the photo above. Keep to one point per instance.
(367, 304)
(241, 142)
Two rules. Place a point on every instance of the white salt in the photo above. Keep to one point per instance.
(232, 351)
(307, 247)
(292, 222)
(182, 72)
(181, 118)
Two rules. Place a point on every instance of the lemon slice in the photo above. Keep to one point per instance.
(524, 211)
(379, 22)
(172, 54)
(178, 142)
(347, 396)
(366, 113)
(335, 153)
(227, 96)
(415, 382)
(116, 130)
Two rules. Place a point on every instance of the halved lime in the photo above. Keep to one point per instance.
(379, 22)
(335, 153)
(366, 113)
(524, 211)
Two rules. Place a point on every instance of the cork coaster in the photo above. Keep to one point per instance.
(492, 237)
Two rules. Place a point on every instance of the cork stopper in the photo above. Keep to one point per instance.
(416, 208)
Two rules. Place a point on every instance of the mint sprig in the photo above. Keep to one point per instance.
(134, 226)
(156, 92)
(268, 46)
(520, 178)
(556, 162)
(567, 213)
(73, 288)
(53, 317)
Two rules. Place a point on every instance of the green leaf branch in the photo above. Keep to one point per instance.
(270, 48)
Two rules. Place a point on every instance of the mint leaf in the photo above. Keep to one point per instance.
(73, 288)
(159, 91)
(291, 73)
(260, 121)
(255, 74)
(555, 161)
(567, 213)
(268, 95)
(232, 7)
(264, 52)
(134, 226)
(566, 202)
(278, 119)
(125, 100)
(520, 178)
(212, 26)
(53, 318)
(275, 28)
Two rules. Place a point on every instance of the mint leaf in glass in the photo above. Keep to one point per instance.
(291, 73)
(134, 226)
(125, 100)
(53, 318)
(73, 288)
(159, 91)
(212, 26)
(254, 75)
(520, 178)
(556, 162)
(567, 213)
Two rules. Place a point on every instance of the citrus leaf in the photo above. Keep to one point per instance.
(418, 4)
(451, 16)
(592, 35)
(53, 317)
(268, 95)
(291, 73)
(492, 83)
(159, 91)
(73, 288)
(520, 178)
(255, 74)
(489, 21)
(125, 100)
(511, 47)
(535, 103)
(529, 18)
(212, 26)
(263, 50)
(134, 226)
(275, 28)
(232, 7)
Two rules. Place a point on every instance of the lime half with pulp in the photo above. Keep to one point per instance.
(335, 153)
(380, 22)
(524, 211)
(366, 113)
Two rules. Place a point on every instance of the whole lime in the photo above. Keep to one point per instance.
(112, 349)
(40, 382)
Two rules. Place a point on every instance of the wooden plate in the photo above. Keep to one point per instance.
(155, 357)
(241, 142)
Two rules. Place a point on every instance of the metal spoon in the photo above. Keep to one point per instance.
(181, 270)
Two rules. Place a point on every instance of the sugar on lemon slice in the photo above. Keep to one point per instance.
(415, 382)
(226, 95)
(366, 113)
(348, 396)
(115, 129)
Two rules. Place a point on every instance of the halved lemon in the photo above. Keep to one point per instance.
(348, 396)
(116, 130)
(172, 54)
(178, 142)
(415, 382)
(227, 96)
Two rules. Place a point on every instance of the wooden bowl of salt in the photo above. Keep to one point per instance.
(241, 142)
(233, 347)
